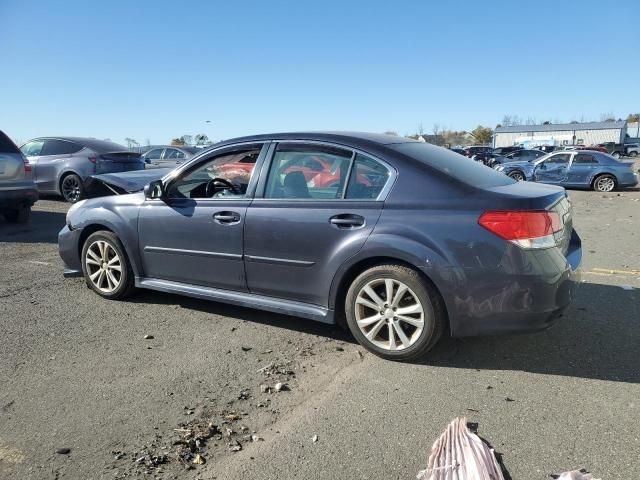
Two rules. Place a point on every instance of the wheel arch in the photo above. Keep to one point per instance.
(94, 227)
(600, 174)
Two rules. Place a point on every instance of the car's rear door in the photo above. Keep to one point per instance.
(301, 227)
(55, 154)
(581, 169)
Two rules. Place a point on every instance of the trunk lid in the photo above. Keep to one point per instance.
(118, 162)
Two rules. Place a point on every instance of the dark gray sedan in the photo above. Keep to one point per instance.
(399, 239)
(61, 164)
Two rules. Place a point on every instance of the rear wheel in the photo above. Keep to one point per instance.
(615, 155)
(71, 187)
(393, 312)
(633, 153)
(518, 176)
(106, 267)
(17, 215)
(604, 183)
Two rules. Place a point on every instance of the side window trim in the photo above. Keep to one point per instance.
(264, 173)
(347, 178)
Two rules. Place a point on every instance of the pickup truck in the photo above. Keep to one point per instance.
(615, 149)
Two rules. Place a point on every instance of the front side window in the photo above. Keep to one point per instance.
(60, 147)
(173, 154)
(32, 149)
(222, 176)
(154, 154)
(303, 171)
(560, 159)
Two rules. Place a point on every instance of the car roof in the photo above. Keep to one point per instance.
(328, 136)
(90, 142)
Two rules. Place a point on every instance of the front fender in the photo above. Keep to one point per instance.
(118, 214)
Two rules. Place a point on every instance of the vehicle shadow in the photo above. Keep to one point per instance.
(43, 227)
(598, 337)
(277, 320)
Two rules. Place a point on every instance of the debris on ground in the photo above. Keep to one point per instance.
(574, 475)
(459, 454)
(63, 451)
(199, 459)
(279, 387)
(509, 399)
(148, 337)
(314, 439)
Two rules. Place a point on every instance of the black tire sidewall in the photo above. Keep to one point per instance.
(417, 285)
(126, 281)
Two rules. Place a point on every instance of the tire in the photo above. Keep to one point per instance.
(71, 188)
(517, 175)
(387, 322)
(18, 215)
(633, 154)
(604, 183)
(615, 154)
(109, 284)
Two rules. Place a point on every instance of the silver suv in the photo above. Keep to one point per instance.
(61, 164)
(17, 189)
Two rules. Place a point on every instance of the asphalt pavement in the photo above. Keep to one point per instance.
(77, 373)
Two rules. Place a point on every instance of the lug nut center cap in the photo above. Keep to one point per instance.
(389, 313)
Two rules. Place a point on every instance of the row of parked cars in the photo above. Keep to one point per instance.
(597, 167)
(61, 165)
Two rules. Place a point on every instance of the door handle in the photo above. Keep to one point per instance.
(227, 218)
(347, 221)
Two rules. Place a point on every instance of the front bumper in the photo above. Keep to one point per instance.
(508, 303)
(69, 250)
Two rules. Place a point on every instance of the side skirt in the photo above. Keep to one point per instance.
(243, 299)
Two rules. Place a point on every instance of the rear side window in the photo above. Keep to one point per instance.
(308, 172)
(367, 179)
(584, 158)
(456, 166)
(60, 147)
(6, 145)
(154, 154)
(173, 153)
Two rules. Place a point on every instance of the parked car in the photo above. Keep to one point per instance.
(547, 148)
(475, 149)
(18, 191)
(525, 155)
(505, 150)
(616, 150)
(633, 149)
(168, 156)
(580, 168)
(459, 150)
(490, 159)
(61, 164)
(416, 250)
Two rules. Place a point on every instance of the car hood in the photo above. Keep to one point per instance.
(123, 182)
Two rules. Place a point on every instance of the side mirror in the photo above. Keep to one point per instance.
(154, 190)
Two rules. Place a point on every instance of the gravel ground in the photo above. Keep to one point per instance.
(76, 372)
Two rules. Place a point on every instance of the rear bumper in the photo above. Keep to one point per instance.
(20, 197)
(492, 303)
(69, 250)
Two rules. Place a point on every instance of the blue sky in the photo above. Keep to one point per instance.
(156, 70)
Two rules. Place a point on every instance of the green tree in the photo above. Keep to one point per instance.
(178, 142)
(633, 117)
(201, 139)
(482, 134)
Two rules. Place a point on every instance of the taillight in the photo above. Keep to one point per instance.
(93, 159)
(527, 229)
(27, 165)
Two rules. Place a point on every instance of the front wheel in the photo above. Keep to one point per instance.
(604, 183)
(517, 176)
(106, 267)
(395, 313)
(615, 155)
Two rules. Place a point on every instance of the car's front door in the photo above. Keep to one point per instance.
(32, 151)
(581, 169)
(194, 234)
(554, 169)
(314, 210)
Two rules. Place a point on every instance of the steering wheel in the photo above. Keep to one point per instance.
(210, 189)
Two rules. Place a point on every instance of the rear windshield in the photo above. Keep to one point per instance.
(103, 146)
(461, 168)
(6, 145)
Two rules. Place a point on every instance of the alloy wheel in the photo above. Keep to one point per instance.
(517, 176)
(605, 184)
(104, 267)
(71, 188)
(389, 314)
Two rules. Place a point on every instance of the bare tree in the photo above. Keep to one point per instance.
(187, 139)
(201, 139)
(607, 117)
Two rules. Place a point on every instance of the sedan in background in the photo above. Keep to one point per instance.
(61, 164)
(17, 190)
(578, 169)
(168, 156)
(525, 155)
(405, 242)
